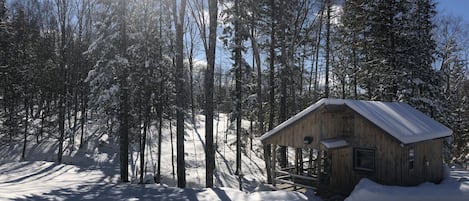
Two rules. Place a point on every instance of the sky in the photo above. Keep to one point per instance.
(454, 7)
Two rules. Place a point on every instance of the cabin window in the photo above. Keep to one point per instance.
(411, 158)
(364, 159)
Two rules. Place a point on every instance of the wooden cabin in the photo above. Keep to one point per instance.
(337, 142)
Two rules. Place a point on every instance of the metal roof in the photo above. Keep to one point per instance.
(398, 119)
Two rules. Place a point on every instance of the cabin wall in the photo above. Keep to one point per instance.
(391, 159)
(319, 125)
(428, 162)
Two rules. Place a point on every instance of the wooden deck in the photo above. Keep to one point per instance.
(286, 180)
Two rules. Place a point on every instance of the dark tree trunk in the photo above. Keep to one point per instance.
(160, 134)
(283, 85)
(180, 99)
(209, 85)
(124, 110)
(238, 66)
(25, 140)
(143, 141)
(82, 117)
(328, 48)
(267, 147)
(62, 5)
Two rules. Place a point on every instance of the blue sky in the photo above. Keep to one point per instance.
(454, 7)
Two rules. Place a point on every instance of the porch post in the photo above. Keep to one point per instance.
(273, 165)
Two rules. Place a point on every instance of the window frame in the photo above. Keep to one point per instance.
(357, 166)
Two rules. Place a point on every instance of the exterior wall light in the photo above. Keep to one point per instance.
(308, 140)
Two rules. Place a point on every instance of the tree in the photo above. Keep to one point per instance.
(178, 17)
(123, 95)
(209, 83)
(108, 78)
(62, 13)
(328, 47)
(451, 42)
(197, 9)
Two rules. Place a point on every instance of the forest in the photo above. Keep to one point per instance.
(132, 64)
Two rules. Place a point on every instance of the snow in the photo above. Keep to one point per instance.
(400, 120)
(41, 180)
(334, 143)
(92, 172)
(455, 188)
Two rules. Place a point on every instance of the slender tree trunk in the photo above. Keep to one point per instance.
(284, 74)
(209, 83)
(238, 66)
(180, 99)
(143, 139)
(172, 146)
(41, 128)
(328, 48)
(123, 114)
(316, 67)
(62, 15)
(61, 127)
(160, 135)
(75, 119)
(82, 117)
(191, 79)
(257, 58)
(355, 68)
(23, 154)
(267, 147)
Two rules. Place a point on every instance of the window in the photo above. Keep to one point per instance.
(364, 159)
(411, 158)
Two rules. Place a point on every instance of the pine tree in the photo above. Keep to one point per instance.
(109, 96)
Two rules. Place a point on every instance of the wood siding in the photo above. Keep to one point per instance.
(391, 157)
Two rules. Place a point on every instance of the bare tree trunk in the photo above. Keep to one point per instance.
(172, 146)
(238, 66)
(123, 114)
(257, 58)
(284, 74)
(82, 117)
(62, 8)
(209, 83)
(160, 134)
(143, 139)
(267, 147)
(318, 43)
(328, 48)
(180, 100)
(23, 154)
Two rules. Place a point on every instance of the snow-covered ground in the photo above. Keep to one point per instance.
(49, 181)
(454, 188)
(92, 172)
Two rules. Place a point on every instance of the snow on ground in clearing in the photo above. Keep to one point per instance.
(455, 188)
(41, 180)
(92, 173)
(253, 166)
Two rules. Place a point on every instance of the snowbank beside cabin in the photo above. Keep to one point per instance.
(451, 189)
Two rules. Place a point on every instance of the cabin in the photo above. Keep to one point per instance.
(337, 142)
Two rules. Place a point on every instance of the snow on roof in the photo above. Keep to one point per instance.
(398, 119)
(334, 143)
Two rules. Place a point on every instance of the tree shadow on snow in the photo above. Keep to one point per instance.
(117, 192)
